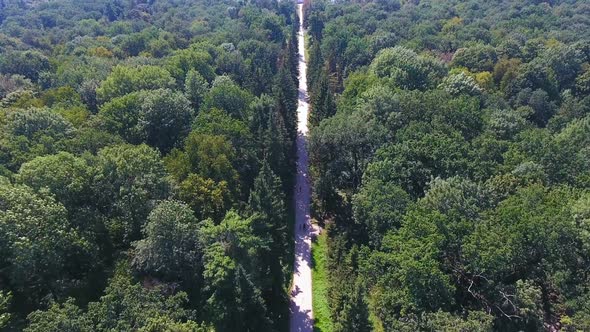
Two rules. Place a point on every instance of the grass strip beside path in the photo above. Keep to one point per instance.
(319, 275)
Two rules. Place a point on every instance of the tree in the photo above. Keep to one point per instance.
(4, 313)
(355, 314)
(228, 96)
(128, 182)
(165, 119)
(124, 79)
(405, 69)
(125, 306)
(273, 141)
(461, 83)
(268, 201)
(476, 58)
(183, 61)
(286, 93)
(412, 162)
(218, 122)
(40, 249)
(31, 133)
(29, 64)
(554, 249)
(233, 297)
(64, 175)
(160, 118)
(170, 249)
(207, 198)
(315, 66)
(323, 105)
(212, 156)
(379, 207)
(195, 88)
(13, 83)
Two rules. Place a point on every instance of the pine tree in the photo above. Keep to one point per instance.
(315, 64)
(267, 200)
(285, 92)
(322, 102)
(355, 314)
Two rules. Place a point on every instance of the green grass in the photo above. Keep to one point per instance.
(319, 275)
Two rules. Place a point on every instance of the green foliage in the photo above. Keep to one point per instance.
(30, 64)
(195, 88)
(40, 249)
(4, 313)
(461, 83)
(322, 102)
(379, 206)
(97, 101)
(161, 118)
(267, 200)
(228, 96)
(234, 301)
(125, 79)
(476, 58)
(129, 180)
(30, 133)
(212, 156)
(405, 69)
(207, 198)
(126, 305)
(64, 175)
(170, 249)
(450, 197)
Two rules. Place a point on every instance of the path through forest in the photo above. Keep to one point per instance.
(301, 304)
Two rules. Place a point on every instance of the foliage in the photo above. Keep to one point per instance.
(127, 130)
(443, 175)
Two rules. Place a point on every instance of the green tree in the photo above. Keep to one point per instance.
(29, 64)
(160, 118)
(40, 249)
(64, 175)
(233, 297)
(170, 249)
(195, 88)
(128, 182)
(165, 118)
(268, 201)
(323, 105)
(476, 58)
(183, 61)
(5, 315)
(379, 207)
(405, 69)
(212, 156)
(207, 198)
(228, 96)
(125, 306)
(125, 79)
(355, 314)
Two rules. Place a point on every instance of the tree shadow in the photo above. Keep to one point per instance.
(300, 321)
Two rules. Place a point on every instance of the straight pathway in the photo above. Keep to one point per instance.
(301, 301)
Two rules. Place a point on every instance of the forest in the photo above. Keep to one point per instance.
(450, 152)
(146, 161)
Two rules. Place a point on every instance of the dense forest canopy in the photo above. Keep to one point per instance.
(146, 156)
(147, 160)
(451, 162)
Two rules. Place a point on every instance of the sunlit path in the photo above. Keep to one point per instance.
(301, 301)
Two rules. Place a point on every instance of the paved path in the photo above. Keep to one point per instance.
(301, 305)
